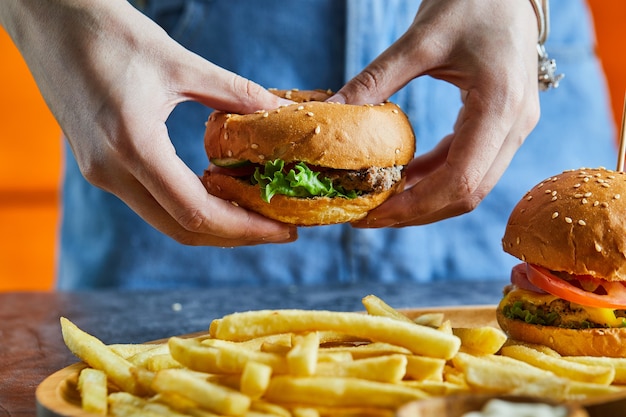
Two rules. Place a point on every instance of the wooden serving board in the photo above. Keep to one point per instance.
(57, 395)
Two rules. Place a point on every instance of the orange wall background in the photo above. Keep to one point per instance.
(30, 155)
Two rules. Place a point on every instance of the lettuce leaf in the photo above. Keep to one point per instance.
(299, 181)
(517, 311)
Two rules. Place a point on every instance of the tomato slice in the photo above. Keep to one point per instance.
(614, 298)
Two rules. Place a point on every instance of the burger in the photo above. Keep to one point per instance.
(309, 163)
(568, 293)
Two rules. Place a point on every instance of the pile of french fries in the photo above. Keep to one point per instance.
(321, 363)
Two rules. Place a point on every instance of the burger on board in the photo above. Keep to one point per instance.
(568, 293)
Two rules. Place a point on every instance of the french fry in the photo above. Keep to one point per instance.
(123, 404)
(421, 340)
(619, 364)
(377, 307)
(92, 385)
(368, 350)
(218, 356)
(269, 408)
(254, 379)
(422, 368)
(430, 319)
(341, 392)
(491, 377)
(389, 368)
(580, 390)
(302, 358)
(97, 355)
(480, 340)
(213, 397)
(558, 366)
(438, 388)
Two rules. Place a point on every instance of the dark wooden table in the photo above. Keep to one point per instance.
(31, 346)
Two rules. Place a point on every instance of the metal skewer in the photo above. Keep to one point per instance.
(622, 140)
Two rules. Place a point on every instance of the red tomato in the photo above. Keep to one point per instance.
(614, 298)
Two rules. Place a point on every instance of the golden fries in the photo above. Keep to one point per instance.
(421, 340)
(291, 363)
(92, 385)
(558, 366)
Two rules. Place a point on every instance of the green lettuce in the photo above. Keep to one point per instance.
(517, 311)
(300, 181)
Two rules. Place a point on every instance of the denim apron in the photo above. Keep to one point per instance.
(320, 44)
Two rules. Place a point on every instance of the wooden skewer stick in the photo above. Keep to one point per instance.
(622, 140)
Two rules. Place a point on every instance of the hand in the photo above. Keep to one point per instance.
(111, 77)
(487, 48)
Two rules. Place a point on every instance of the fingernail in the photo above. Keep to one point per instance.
(337, 98)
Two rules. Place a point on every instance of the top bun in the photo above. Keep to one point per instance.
(573, 222)
(333, 135)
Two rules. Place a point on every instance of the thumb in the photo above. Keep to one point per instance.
(224, 90)
(388, 73)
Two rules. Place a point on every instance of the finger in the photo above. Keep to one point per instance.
(457, 185)
(388, 73)
(165, 192)
(223, 90)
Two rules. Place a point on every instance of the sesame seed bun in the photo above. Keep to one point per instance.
(574, 222)
(326, 136)
(311, 130)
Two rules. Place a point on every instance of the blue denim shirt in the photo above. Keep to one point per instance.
(321, 44)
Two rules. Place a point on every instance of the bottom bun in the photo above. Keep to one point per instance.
(609, 342)
(314, 211)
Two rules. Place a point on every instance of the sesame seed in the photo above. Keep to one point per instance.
(606, 185)
(234, 203)
(554, 198)
(588, 194)
(617, 196)
(604, 204)
(517, 240)
(540, 185)
(530, 197)
(596, 203)
(394, 111)
(397, 151)
(554, 193)
(295, 89)
(310, 114)
(584, 201)
(229, 153)
(555, 214)
(261, 157)
(225, 135)
(576, 185)
(578, 195)
(228, 116)
(317, 129)
(300, 108)
(254, 146)
(586, 179)
(598, 247)
(582, 222)
(288, 94)
(568, 220)
(554, 179)
(548, 191)
(266, 114)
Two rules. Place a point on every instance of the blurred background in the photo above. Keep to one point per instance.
(31, 157)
